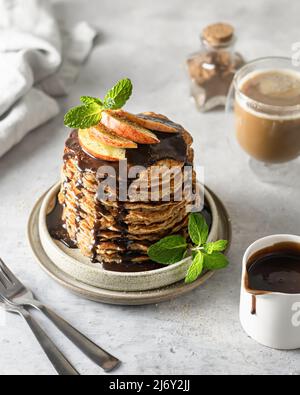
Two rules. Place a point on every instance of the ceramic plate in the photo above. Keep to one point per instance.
(75, 272)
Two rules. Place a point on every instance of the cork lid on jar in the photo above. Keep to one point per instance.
(218, 34)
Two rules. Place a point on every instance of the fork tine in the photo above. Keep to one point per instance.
(3, 286)
(8, 274)
(5, 281)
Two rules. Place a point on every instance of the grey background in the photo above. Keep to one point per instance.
(198, 333)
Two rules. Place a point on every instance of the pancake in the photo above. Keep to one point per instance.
(116, 232)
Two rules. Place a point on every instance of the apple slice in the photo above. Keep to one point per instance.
(152, 121)
(127, 129)
(99, 150)
(105, 136)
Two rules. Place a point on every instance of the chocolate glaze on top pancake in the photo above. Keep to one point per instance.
(171, 146)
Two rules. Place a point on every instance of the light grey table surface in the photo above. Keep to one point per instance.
(200, 332)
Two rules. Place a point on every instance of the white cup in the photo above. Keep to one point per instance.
(273, 318)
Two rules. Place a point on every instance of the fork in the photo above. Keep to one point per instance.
(13, 292)
(58, 360)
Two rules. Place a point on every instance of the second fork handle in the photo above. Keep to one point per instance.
(101, 357)
(58, 360)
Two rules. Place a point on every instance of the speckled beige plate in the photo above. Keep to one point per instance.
(76, 273)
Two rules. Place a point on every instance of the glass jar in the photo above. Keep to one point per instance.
(212, 69)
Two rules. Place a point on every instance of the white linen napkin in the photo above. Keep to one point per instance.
(38, 61)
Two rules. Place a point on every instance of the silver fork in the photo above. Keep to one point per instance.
(58, 360)
(13, 292)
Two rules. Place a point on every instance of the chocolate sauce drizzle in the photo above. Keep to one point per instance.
(57, 228)
(171, 146)
(253, 307)
(58, 231)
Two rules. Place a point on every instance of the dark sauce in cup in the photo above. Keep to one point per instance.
(275, 269)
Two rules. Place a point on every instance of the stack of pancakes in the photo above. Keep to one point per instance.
(115, 232)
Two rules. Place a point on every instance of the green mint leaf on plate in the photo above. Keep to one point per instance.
(215, 261)
(198, 229)
(195, 269)
(83, 117)
(90, 100)
(169, 250)
(216, 246)
(204, 255)
(118, 95)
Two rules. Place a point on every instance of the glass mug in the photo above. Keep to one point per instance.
(265, 99)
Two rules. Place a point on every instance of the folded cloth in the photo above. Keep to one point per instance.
(39, 60)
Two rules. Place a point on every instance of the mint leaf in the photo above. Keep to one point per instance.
(198, 229)
(205, 255)
(217, 246)
(168, 250)
(89, 114)
(215, 261)
(118, 95)
(90, 100)
(195, 269)
(83, 117)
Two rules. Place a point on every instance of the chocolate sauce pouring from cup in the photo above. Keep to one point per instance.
(270, 291)
(274, 269)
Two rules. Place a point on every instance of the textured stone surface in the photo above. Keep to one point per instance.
(200, 332)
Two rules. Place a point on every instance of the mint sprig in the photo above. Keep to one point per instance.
(198, 229)
(216, 246)
(118, 95)
(215, 261)
(83, 116)
(90, 113)
(195, 269)
(168, 250)
(206, 255)
(87, 100)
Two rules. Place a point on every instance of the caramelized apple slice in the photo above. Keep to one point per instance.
(105, 136)
(152, 121)
(99, 150)
(127, 129)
